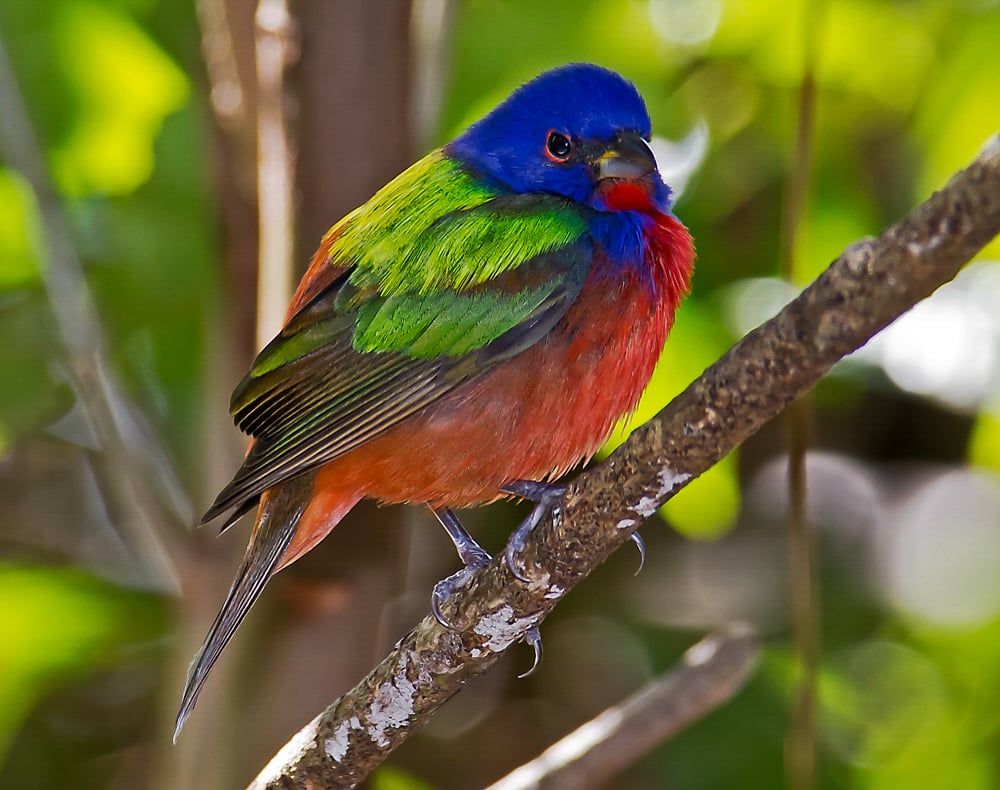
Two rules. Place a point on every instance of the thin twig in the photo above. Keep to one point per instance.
(275, 167)
(803, 576)
(711, 673)
(868, 286)
(218, 50)
(432, 22)
(803, 602)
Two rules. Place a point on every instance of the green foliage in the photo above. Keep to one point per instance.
(18, 233)
(58, 625)
(109, 147)
(112, 111)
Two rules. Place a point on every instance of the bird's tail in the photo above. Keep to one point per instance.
(278, 518)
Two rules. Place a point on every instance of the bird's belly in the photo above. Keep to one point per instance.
(533, 417)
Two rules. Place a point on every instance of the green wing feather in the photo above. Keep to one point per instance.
(374, 348)
(435, 227)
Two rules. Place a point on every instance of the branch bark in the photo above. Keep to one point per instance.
(867, 287)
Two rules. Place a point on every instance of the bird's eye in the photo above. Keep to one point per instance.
(558, 147)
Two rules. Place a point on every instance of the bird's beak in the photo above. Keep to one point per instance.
(628, 156)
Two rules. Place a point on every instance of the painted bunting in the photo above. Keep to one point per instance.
(474, 330)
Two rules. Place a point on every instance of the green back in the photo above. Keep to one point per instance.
(436, 227)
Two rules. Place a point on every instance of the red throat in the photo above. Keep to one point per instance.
(623, 195)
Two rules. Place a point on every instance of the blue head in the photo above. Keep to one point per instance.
(571, 131)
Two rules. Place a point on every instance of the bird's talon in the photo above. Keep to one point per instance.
(640, 544)
(511, 556)
(445, 588)
(533, 637)
(543, 495)
(436, 597)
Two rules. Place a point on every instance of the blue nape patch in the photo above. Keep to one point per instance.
(583, 102)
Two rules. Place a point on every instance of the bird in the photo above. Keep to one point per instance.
(473, 331)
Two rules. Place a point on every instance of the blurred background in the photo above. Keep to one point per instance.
(128, 312)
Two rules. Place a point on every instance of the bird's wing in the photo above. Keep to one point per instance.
(364, 354)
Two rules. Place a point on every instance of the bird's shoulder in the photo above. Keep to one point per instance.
(440, 226)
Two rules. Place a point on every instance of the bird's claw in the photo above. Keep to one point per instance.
(640, 544)
(445, 588)
(544, 495)
(533, 637)
(515, 545)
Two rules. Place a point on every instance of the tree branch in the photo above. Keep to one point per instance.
(868, 286)
(711, 673)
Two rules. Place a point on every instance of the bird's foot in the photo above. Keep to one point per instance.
(473, 556)
(544, 495)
